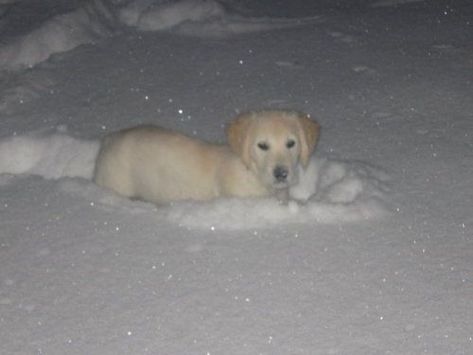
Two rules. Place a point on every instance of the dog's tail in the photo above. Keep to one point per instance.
(52, 155)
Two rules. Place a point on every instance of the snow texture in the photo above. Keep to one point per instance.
(374, 254)
(51, 156)
(60, 33)
(96, 21)
(152, 16)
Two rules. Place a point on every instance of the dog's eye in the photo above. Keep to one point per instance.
(290, 143)
(263, 146)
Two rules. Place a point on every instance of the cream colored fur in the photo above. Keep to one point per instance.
(158, 165)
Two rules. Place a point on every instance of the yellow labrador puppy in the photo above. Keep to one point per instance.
(157, 165)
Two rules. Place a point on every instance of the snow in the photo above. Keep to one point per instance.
(152, 16)
(99, 19)
(59, 33)
(373, 255)
(51, 156)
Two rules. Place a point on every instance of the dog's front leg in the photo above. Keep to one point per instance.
(283, 196)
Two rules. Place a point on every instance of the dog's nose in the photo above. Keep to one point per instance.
(280, 173)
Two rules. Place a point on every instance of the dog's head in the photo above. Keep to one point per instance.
(272, 143)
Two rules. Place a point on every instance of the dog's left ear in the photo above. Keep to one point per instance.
(237, 135)
(309, 131)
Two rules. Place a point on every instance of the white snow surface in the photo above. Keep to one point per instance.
(373, 256)
(151, 15)
(96, 20)
(51, 156)
(58, 33)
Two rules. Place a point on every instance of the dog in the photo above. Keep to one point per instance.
(261, 159)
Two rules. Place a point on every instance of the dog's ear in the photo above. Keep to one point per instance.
(238, 136)
(309, 131)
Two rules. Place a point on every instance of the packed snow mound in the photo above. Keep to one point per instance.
(51, 155)
(60, 33)
(149, 15)
(92, 21)
(233, 25)
(201, 18)
(327, 192)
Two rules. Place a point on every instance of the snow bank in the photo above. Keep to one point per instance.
(234, 25)
(201, 18)
(96, 20)
(60, 33)
(328, 191)
(52, 156)
(149, 15)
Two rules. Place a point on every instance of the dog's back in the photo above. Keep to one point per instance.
(157, 165)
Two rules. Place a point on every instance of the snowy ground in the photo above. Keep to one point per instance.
(378, 260)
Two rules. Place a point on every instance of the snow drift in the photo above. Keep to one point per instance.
(99, 19)
(201, 18)
(158, 15)
(63, 32)
(51, 156)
